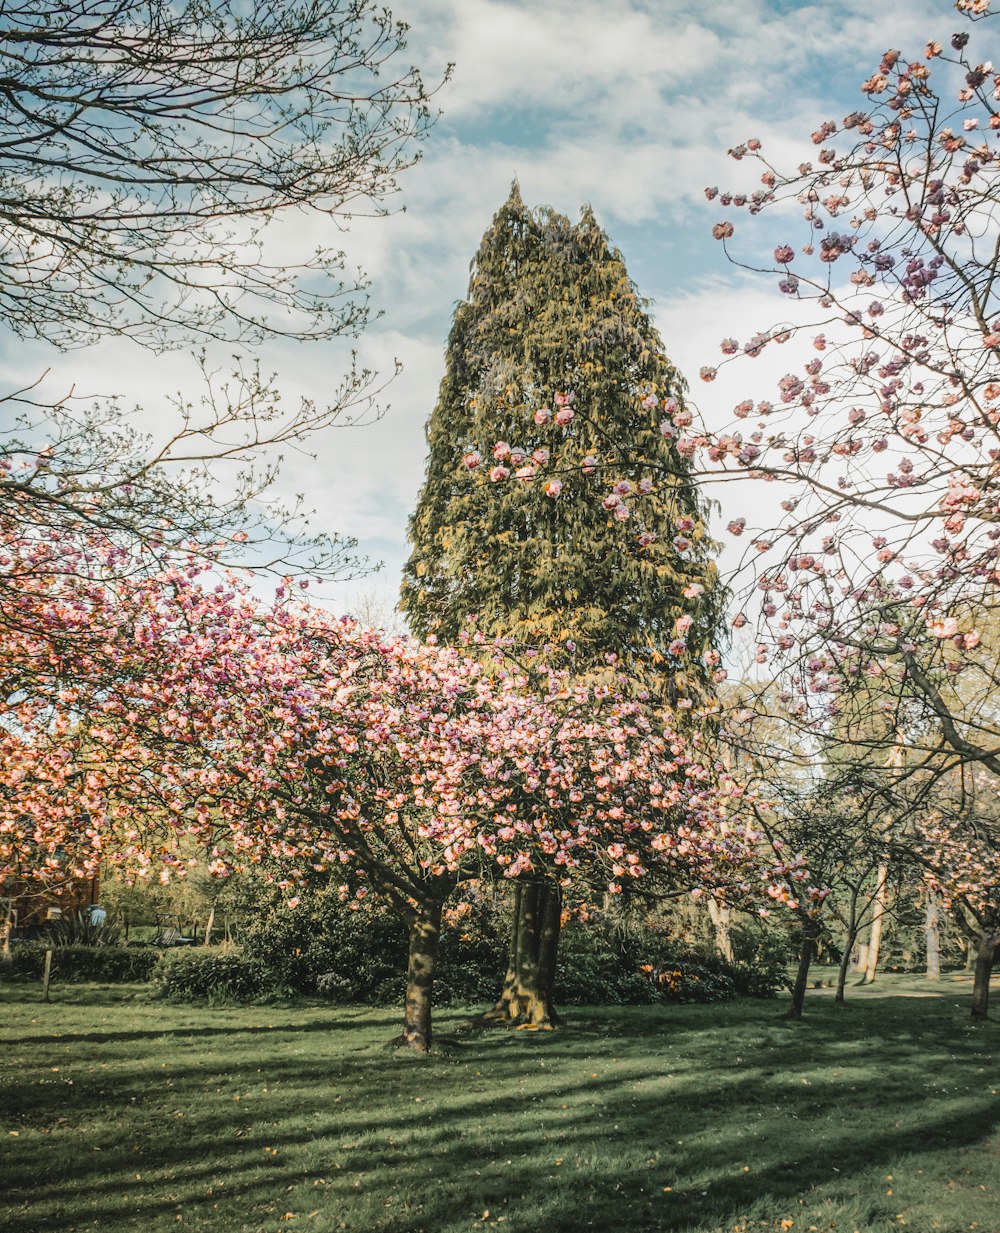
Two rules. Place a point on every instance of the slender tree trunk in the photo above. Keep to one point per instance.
(8, 927)
(208, 925)
(526, 997)
(932, 937)
(852, 937)
(425, 934)
(722, 915)
(875, 933)
(984, 970)
(810, 934)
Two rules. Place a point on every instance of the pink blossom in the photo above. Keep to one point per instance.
(553, 488)
(499, 473)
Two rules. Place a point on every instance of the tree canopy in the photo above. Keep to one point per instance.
(554, 368)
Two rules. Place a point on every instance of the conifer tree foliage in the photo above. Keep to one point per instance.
(554, 367)
(556, 374)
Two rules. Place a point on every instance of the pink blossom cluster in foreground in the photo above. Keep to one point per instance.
(179, 706)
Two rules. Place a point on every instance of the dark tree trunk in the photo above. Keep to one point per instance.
(425, 934)
(852, 937)
(526, 997)
(981, 979)
(810, 934)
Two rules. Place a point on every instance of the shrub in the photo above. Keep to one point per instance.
(216, 976)
(107, 964)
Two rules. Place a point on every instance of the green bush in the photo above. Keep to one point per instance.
(216, 976)
(106, 964)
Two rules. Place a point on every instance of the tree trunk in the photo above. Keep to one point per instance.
(810, 934)
(981, 980)
(721, 915)
(875, 932)
(8, 927)
(852, 937)
(425, 934)
(208, 926)
(526, 997)
(932, 937)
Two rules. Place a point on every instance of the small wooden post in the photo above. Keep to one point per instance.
(45, 975)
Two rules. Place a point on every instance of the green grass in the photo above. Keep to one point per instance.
(119, 1114)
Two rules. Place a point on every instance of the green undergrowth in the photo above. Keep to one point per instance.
(118, 1113)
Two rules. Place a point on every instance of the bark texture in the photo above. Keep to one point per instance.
(981, 980)
(875, 932)
(526, 999)
(849, 941)
(425, 935)
(807, 951)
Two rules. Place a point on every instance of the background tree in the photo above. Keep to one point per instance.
(554, 369)
(884, 435)
(149, 152)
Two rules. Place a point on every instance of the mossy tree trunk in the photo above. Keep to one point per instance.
(526, 999)
(424, 937)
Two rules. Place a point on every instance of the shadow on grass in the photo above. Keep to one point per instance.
(672, 1119)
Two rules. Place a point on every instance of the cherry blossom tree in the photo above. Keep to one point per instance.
(307, 745)
(875, 586)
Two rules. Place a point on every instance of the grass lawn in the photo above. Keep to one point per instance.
(117, 1114)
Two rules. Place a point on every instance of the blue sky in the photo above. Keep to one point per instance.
(629, 105)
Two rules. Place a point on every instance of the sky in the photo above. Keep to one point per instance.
(628, 105)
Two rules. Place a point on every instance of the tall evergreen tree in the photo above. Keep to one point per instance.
(556, 510)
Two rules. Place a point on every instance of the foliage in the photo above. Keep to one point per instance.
(349, 951)
(80, 962)
(216, 975)
(657, 1117)
(408, 765)
(77, 929)
(526, 550)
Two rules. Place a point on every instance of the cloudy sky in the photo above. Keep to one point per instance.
(629, 105)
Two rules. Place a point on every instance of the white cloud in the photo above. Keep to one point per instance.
(627, 104)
